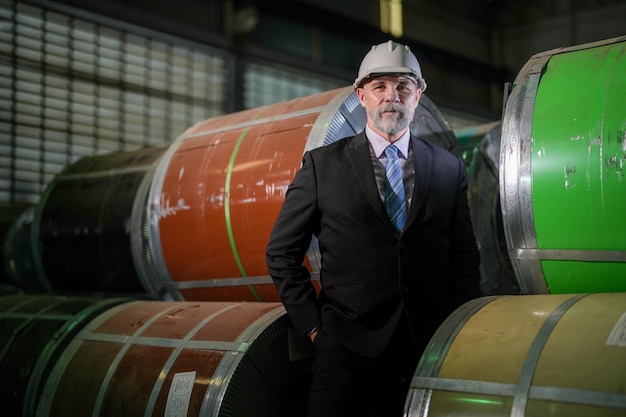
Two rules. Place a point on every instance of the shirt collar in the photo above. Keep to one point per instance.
(379, 143)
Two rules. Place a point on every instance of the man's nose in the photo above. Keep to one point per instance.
(392, 95)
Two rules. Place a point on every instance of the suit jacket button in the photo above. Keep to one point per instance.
(401, 244)
(404, 288)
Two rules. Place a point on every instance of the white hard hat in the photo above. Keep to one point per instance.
(390, 58)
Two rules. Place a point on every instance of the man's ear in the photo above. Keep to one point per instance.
(361, 95)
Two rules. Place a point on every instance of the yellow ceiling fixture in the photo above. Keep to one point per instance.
(391, 17)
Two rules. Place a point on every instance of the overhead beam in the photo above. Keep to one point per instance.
(345, 26)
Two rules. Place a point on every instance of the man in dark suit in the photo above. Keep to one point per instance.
(396, 242)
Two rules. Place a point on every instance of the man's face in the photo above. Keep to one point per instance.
(390, 102)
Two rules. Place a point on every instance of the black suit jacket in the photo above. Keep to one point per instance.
(370, 273)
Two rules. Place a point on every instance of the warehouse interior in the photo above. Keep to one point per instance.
(131, 289)
(142, 72)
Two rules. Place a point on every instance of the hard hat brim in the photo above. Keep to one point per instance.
(379, 72)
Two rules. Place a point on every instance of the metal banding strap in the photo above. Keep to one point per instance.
(578, 396)
(216, 388)
(254, 122)
(229, 226)
(167, 342)
(515, 174)
(555, 394)
(463, 385)
(569, 255)
(231, 282)
(530, 363)
(530, 273)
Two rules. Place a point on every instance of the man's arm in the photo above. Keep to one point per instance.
(288, 244)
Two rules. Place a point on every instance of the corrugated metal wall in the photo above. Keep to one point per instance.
(72, 86)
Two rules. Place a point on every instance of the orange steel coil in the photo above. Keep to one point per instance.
(218, 190)
(190, 220)
(155, 358)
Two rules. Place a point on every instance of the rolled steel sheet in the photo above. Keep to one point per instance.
(497, 276)
(88, 235)
(155, 358)
(34, 330)
(19, 259)
(188, 221)
(469, 139)
(558, 355)
(9, 215)
(562, 179)
(218, 190)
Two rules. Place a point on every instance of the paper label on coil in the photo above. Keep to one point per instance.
(618, 334)
(180, 394)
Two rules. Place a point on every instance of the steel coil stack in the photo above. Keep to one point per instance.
(167, 305)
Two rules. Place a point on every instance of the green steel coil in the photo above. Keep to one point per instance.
(562, 163)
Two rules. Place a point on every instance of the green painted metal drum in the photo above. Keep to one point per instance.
(562, 161)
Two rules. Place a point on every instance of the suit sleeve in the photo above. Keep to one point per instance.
(464, 254)
(289, 241)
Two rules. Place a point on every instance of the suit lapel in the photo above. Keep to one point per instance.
(358, 153)
(422, 158)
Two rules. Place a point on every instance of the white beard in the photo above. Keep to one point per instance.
(391, 123)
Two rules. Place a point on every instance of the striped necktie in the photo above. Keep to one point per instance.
(394, 189)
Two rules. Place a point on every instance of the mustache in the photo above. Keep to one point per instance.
(397, 107)
(394, 122)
